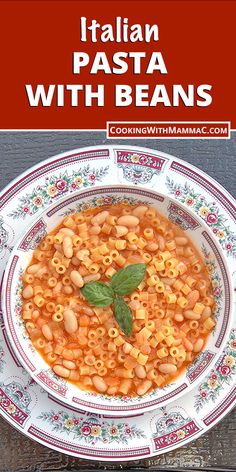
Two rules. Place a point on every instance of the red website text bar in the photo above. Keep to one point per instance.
(170, 129)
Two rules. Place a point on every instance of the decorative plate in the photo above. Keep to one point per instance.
(34, 363)
(34, 411)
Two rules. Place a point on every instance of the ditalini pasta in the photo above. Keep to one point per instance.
(172, 308)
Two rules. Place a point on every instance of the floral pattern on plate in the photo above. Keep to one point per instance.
(92, 429)
(176, 436)
(2, 360)
(207, 210)
(56, 186)
(172, 425)
(19, 319)
(139, 168)
(103, 201)
(221, 375)
(55, 383)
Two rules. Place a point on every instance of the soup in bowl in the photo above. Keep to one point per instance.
(110, 300)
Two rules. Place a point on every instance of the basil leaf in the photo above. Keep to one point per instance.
(98, 294)
(127, 279)
(123, 315)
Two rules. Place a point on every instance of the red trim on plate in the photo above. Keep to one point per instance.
(58, 388)
(76, 410)
(122, 417)
(37, 228)
(227, 299)
(163, 442)
(25, 179)
(193, 175)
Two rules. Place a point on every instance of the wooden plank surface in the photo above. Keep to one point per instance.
(216, 450)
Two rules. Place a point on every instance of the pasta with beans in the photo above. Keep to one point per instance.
(172, 308)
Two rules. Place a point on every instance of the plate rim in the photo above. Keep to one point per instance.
(102, 409)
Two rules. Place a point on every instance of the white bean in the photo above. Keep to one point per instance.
(128, 220)
(121, 230)
(34, 268)
(206, 313)
(167, 368)
(152, 247)
(99, 218)
(178, 317)
(47, 332)
(41, 271)
(197, 347)
(112, 390)
(181, 240)
(67, 354)
(144, 387)
(76, 278)
(99, 383)
(190, 315)
(27, 292)
(140, 211)
(61, 371)
(127, 348)
(82, 254)
(74, 375)
(140, 371)
(70, 321)
(67, 231)
(95, 229)
(67, 247)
